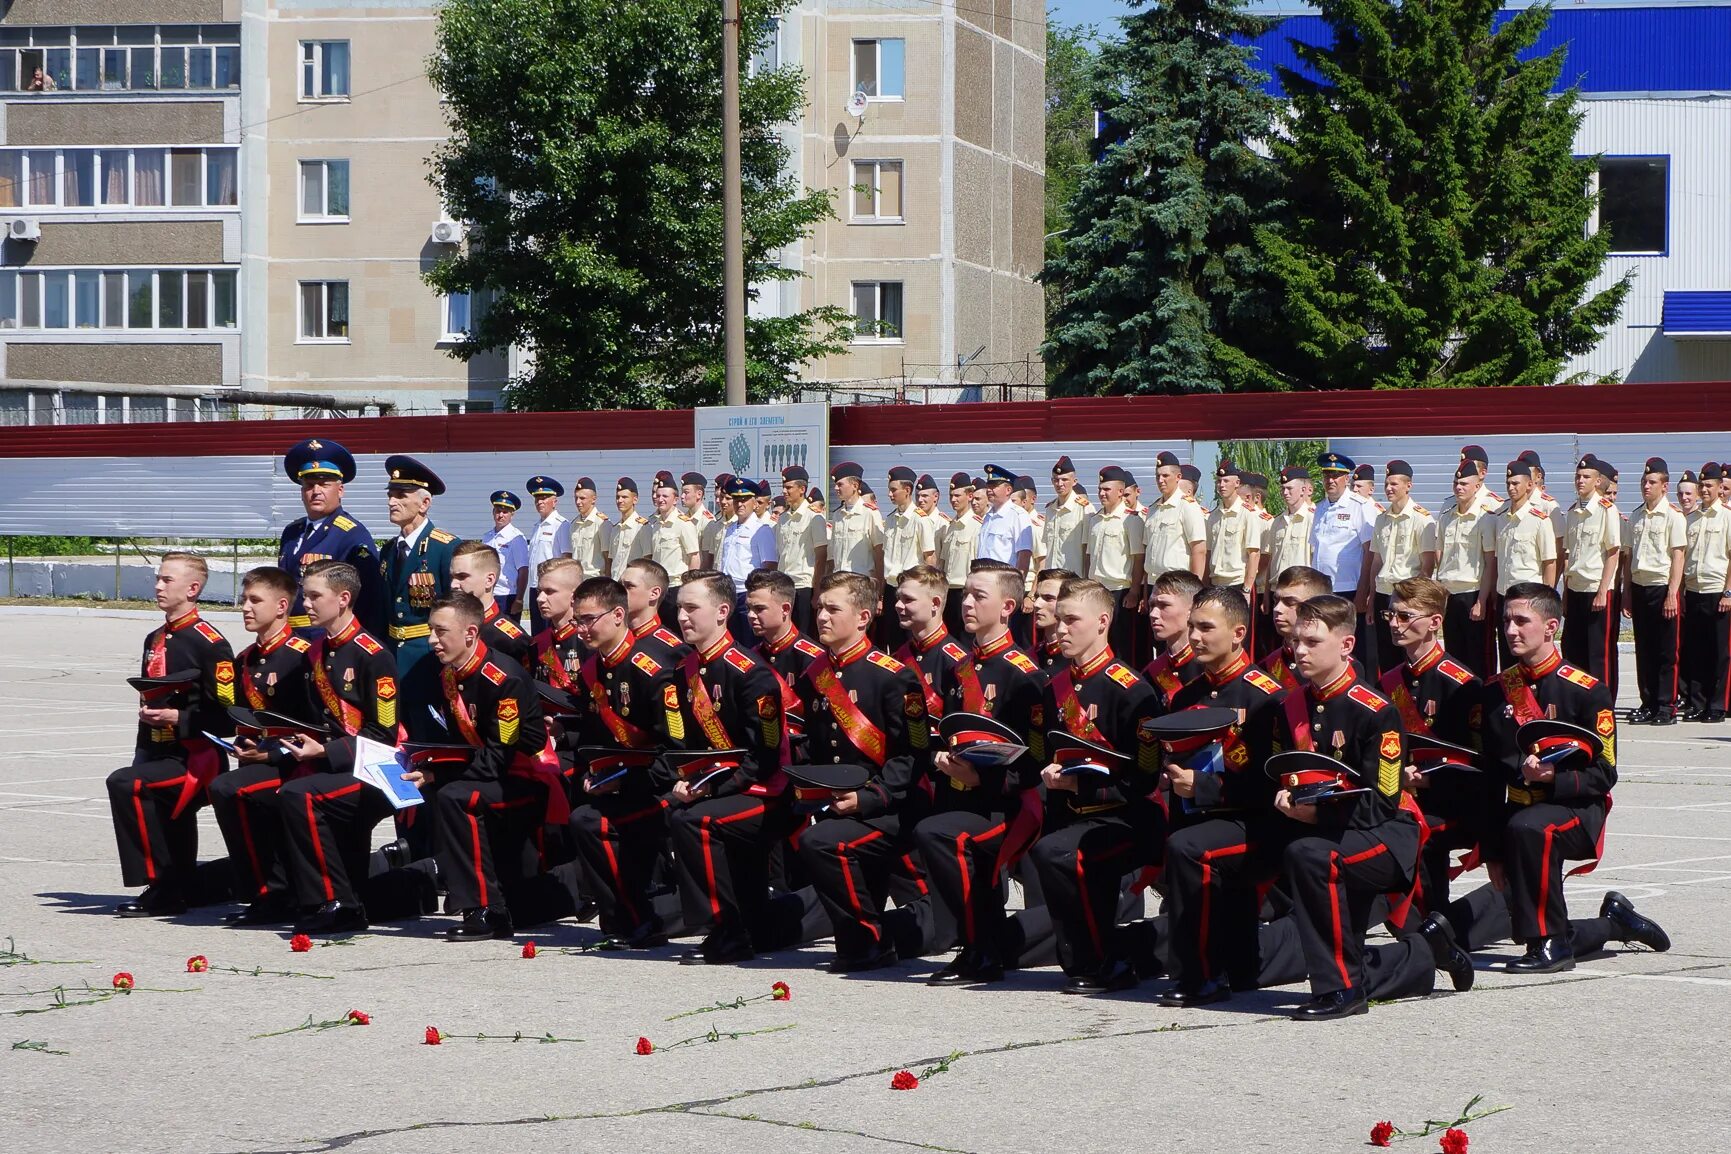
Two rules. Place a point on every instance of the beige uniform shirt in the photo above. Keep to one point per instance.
(908, 537)
(1559, 522)
(671, 540)
(1228, 530)
(709, 535)
(626, 542)
(958, 541)
(1652, 535)
(589, 542)
(1591, 533)
(1114, 542)
(1064, 535)
(1708, 554)
(1525, 541)
(855, 532)
(1174, 524)
(1259, 539)
(1488, 502)
(1463, 539)
(1401, 540)
(798, 536)
(1289, 540)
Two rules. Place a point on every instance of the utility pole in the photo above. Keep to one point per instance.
(732, 212)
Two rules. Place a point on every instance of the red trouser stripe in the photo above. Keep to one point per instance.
(1087, 905)
(618, 875)
(966, 874)
(1208, 897)
(1610, 649)
(143, 828)
(1676, 653)
(318, 842)
(475, 845)
(708, 858)
(1334, 915)
(1545, 871)
(246, 827)
(841, 849)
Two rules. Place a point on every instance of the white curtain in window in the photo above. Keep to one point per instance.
(147, 176)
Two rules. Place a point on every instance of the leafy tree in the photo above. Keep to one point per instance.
(1071, 59)
(585, 150)
(1158, 282)
(1438, 227)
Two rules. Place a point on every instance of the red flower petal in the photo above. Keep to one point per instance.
(529, 949)
(1381, 1133)
(433, 1036)
(779, 992)
(300, 943)
(360, 1017)
(904, 1081)
(1454, 1141)
(197, 964)
(123, 980)
(645, 1046)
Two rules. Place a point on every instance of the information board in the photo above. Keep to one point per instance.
(759, 441)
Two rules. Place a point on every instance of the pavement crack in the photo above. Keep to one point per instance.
(814, 1128)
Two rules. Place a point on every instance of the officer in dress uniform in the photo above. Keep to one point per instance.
(626, 541)
(1344, 524)
(1466, 537)
(1592, 538)
(417, 571)
(551, 537)
(505, 539)
(328, 531)
(1403, 543)
(1659, 538)
(590, 530)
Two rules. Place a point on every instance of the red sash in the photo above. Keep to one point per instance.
(1076, 720)
(460, 708)
(866, 737)
(702, 707)
(548, 655)
(1281, 672)
(1394, 685)
(342, 712)
(253, 697)
(1521, 699)
(156, 664)
(1298, 720)
(1163, 673)
(934, 703)
(623, 731)
(973, 693)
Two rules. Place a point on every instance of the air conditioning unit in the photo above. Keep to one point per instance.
(449, 231)
(24, 228)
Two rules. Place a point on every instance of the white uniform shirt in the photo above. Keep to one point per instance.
(589, 542)
(552, 539)
(1592, 531)
(1525, 541)
(513, 550)
(1463, 539)
(626, 542)
(745, 545)
(1401, 540)
(1065, 532)
(1652, 535)
(798, 536)
(1004, 533)
(1173, 525)
(1338, 539)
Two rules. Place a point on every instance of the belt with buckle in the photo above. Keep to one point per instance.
(409, 632)
(1519, 795)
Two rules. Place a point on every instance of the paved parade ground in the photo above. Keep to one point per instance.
(1624, 1054)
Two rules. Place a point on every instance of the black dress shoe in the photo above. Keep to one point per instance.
(154, 902)
(263, 912)
(1631, 926)
(1108, 979)
(480, 925)
(1664, 718)
(1327, 1007)
(586, 913)
(717, 954)
(1712, 717)
(396, 853)
(1641, 716)
(1692, 714)
(644, 936)
(333, 918)
(1208, 993)
(1449, 957)
(973, 966)
(1545, 956)
(877, 961)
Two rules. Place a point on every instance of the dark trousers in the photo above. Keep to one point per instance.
(722, 847)
(1365, 647)
(1126, 630)
(1403, 968)
(967, 857)
(1387, 652)
(328, 821)
(156, 847)
(851, 863)
(1470, 642)
(481, 826)
(952, 613)
(738, 623)
(536, 621)
(1212, 869)
(419, 691)
(1537, 840)
(804, 619)
(890, 633)
(1445, 834)
(618, 841)
(1481, 919)
(1262, 626)
(1333, 880)
(1704, 653)
(1589, 635)
(1081, 866)
(668, 610)
(1657, 640)
(244, 801)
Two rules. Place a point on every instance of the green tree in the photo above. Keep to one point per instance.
(1438, 228)
(1070, 83)
(1158, 283)
(585, 151)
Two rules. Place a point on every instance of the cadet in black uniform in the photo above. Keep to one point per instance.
(327, 812)
(328, 532)
(645, 583)
(1175, 664)
(861, 708)
(930, 652)
(772, 608)
(984, 818)
(724, 827)
(276, 675)
(155, 799)
(1099, 828)
(475, 570)
(557, 652)
(1046, 652)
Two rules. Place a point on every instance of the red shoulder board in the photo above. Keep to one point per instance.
(1261, 680)
(737, 659)
(493, 673)
(1122, 675)
(807, 647)
(368, 643)
(299, 644)
(1367, 697)
(662, 635)
(1021, 661)
(1540, 513)
(1579, 676)
(953, 651)
(1607, 502)
(1459, 674)
(885, 661)
(209, 632)
(508, 627)
(646, 663)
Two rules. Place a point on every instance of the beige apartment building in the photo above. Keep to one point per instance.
(219, 202)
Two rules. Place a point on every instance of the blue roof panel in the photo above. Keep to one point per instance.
(1697, 314)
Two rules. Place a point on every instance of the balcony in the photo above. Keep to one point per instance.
(126, 61)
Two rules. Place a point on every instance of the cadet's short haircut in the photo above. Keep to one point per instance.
(718, 585)
(1542, 598)
(489, 556)
(1006, 578)
(1336, 614)
(339, 575)
(1179, 581)
(604, 591)
(652, 569)
(555, 566)
(862, 592)
(192, 561)
(1094, 595)
(1229, 600)
(1422, 594)
(1315, 581)
(779, 584)
(1046, 575)
(276, 580)
(467, 606)
(926, 577)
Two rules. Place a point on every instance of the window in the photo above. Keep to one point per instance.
(186, 169)
(325, 310)
(877, 190)
(86, 178)
(324, 70)
(161, 299)
(324, 190)
(458, 317)
(1633, 202)
(878, 68)
(877, 309)
(458, 408)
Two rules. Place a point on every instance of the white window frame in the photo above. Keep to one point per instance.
(878, 311)
(311, 71)
(452, 335)
(87, 38)
(877, 96)
(302, 216)
(324, 311)
(876, 172)
(130, 204)
(120, 323)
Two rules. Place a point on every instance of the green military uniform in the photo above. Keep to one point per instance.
(417, 572)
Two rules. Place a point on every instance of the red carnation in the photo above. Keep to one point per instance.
(904, 1081)
(1381, 1133)
(123, 981)
(197, 964)
(360, 1017)
(645, 1046)
(529, 950)
(300, 943)
(1454, 1141)
(433, 1036)
(779, 992)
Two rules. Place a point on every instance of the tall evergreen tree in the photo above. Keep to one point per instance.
(1438, 221)
(1157, 285)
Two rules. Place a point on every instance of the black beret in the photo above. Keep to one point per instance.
(1190, 473)
(1025, 484)
(1608, 469)
(1709, 471)
(586, 483)
(1519, 468)
(1397, 469)
(1255, 480)
(697, 479)
(926, 482)
(1688, 478)
(1466, 469)
(846, 469)
(1364, 473)
(978, 482)
(1228, 469)
(1530, 459)
(1475, 453)
(664, 477)
(795, 473)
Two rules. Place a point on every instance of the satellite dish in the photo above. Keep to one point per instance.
(856, 104)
